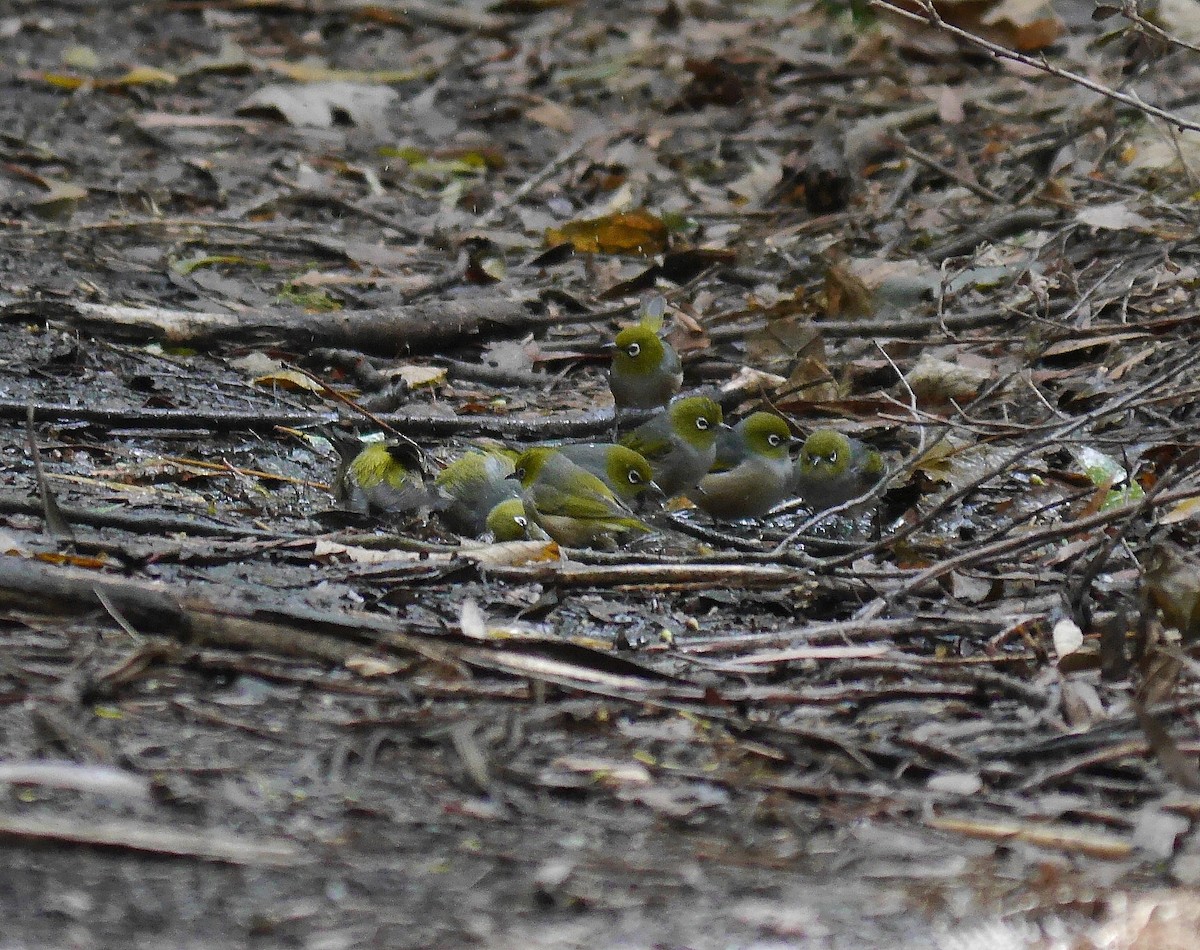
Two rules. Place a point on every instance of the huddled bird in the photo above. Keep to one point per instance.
(680, 443)
(570, 504)
(833, 468)
(473, 485)
(381, 478)
(646, 371)
(752, 472)
(620, 468)
(507, 521)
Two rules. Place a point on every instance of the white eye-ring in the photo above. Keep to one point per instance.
(521, 521)
(832, 457)
(773, 439)
(701, 423)
(633, 350)
(634, 478)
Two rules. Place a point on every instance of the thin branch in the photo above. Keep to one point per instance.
(932, 18)
(1129, 10)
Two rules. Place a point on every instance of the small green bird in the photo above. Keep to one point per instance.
(646, 371)
(570, 504)
(753, 470)
(473, 485)
(382, 478)
(507, 521)
(620, 468)
(832, 468)
(680, 443)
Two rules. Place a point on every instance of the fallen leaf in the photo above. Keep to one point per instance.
(626, 232)
(1114, 216)
(1183, 511)
(955, 783)
(752, 380)
(360, 555)
(318, 105)
(10, 545)
(60, 200)
(553, 116)
(374, 666)
(289, 379)
(417, 376)
(471, 621)
(936, 381)
(1173, 586)
(1067, 637)
(509, 553)
(315, 73)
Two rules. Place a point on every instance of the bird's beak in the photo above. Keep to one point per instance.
(653, 495)
(608, 348)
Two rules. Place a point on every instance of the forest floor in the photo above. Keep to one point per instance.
(232, 715)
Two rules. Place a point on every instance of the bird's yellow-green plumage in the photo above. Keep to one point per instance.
(752, 473)
(382, 478)
(472, 485)
(570, 504)
(507, 521)
(622, 469)
(646, 371)
(679, 442)
(833, 468)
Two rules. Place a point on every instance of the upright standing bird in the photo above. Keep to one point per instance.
(620, 468)
(571, 505)
(680, 443)
(381, 478)
(832, 468)
(473, 485)
(753, 470)
(646, 371)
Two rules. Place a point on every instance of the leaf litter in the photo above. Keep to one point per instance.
(973, 708)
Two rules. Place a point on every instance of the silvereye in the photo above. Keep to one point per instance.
(752, 473)
(680, 443)
(620, 468)
(507, 521)
(571, 505)
(475, 484)
(832, 468)
(646, 371)
(383, 478)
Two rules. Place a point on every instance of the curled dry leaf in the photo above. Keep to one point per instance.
(289, 379)
(751, 380)
(1067, 637)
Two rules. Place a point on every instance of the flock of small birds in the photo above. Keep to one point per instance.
(590, 494)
